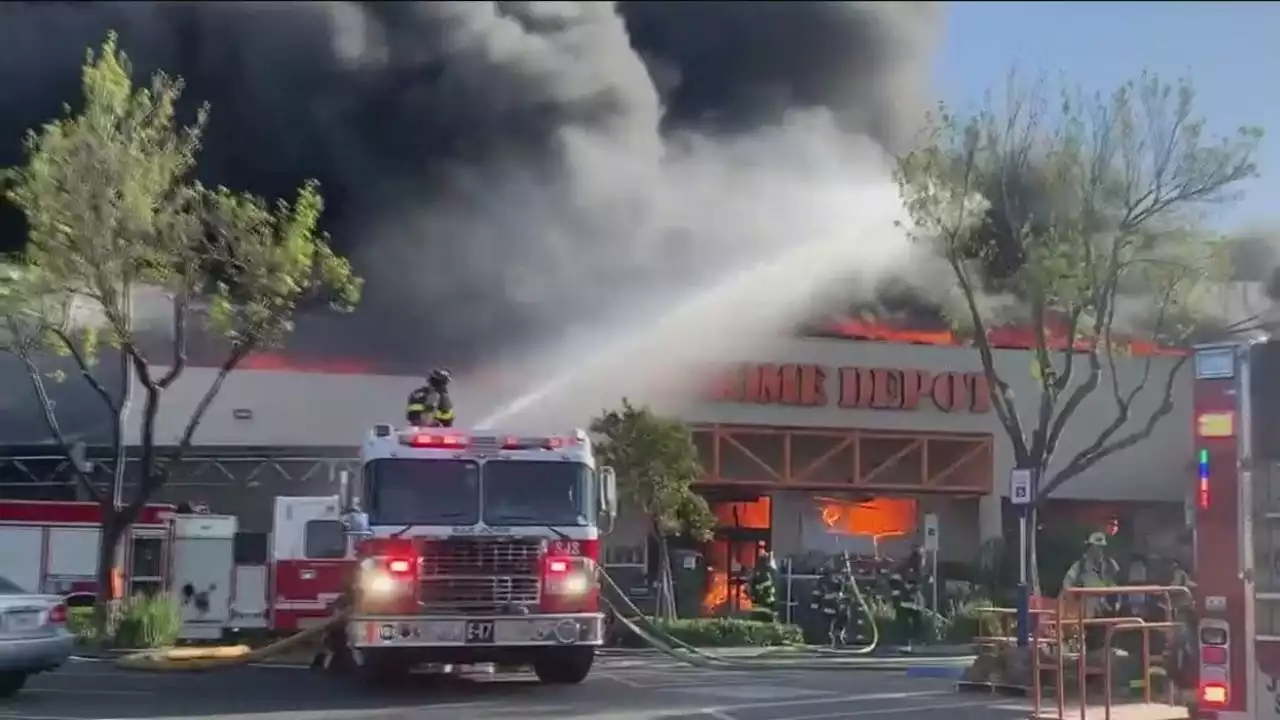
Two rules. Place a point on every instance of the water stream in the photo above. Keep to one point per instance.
(654, 356)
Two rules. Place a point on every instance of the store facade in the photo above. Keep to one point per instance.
(817, 445)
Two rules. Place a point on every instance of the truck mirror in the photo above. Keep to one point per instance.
(355, 524)
(609, 493)
(344, 490)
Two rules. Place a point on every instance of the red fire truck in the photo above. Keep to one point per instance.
(52, 547)
(1237, 529)
(475, 548)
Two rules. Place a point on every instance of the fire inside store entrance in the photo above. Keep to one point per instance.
(860, 483)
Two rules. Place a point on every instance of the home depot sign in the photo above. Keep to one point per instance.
(852, 387)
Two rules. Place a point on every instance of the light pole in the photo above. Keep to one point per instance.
(1021, 494)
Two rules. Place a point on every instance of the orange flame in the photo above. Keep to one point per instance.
(1011, 337)
(277, 361)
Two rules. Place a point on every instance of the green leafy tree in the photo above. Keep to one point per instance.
(1087, 210)
(112, 208)
(657, 465)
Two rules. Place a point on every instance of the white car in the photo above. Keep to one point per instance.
(33, 635)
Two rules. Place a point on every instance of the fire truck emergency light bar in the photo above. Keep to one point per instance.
(461, 442)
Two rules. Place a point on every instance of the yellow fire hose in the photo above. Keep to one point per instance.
(202, 659)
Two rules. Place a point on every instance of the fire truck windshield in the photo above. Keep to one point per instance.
(422, 492)
(520, 492)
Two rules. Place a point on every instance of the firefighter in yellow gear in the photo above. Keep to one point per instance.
(430, 405)
(1094, 570)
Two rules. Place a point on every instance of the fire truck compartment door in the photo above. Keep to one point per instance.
(73, 552)
(292, 514)
(203, 568)
(249, 604)
(20, 561)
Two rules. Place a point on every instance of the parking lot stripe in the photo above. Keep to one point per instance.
(889, 711)
(867, 697)
(81, 691)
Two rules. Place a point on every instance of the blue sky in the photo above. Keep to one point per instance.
(1231, 50)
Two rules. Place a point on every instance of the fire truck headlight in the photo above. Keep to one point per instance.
(378, 584)
(576, 584)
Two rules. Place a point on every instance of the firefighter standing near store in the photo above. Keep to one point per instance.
(906, 597)
(828, 599)
(1093, 570)
(763, 590)
(430, 405)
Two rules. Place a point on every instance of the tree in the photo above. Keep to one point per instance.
(1091, 219)
(657, 465)
(111, 208)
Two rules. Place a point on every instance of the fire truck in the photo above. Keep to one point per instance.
(1237, 529)
(52, 547)
(474, 548)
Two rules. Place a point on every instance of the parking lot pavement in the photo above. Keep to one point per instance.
(618, 690)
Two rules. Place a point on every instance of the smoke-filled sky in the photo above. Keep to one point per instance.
(501, 172)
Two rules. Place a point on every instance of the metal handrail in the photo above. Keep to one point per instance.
(1081, 622)
(1146, 628)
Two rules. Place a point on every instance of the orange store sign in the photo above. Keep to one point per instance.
(852, 387)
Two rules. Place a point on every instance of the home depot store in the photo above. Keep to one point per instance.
(794, 443)
(836, 445)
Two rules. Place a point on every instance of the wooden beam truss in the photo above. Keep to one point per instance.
(831, 459)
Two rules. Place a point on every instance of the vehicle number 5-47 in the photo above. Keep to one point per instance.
(479, 632)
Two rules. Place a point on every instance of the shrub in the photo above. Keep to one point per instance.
(962, 621)
(80, 624)
(718, 632)
(149, 621)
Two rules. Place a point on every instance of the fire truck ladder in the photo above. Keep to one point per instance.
(1051, 631)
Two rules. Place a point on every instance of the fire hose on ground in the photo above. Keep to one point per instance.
(202, 659)
(853, 658)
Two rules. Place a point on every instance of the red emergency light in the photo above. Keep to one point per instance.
(430, 440)
(1213, 694)
(447, 441)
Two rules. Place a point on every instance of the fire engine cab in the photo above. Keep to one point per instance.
(1237, 530)
(475, 547)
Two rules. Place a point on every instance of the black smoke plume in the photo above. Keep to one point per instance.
(498, 170)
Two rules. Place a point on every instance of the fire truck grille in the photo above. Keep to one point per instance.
(477, 594)
(479, 575)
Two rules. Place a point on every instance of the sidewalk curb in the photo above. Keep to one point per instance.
(951, 652)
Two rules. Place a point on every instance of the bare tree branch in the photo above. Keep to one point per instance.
(51, 422)
(181, 306)
(86, 371)
(1086, 459)
(154, 475)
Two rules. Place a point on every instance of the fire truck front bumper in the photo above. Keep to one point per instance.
(492, 631)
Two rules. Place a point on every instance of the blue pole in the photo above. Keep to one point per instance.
(1024, 595)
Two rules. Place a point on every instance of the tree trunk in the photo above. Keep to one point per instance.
(106, 609)
(122, 418)
(666, 606)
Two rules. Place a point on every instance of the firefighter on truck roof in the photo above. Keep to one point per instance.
(430, 405)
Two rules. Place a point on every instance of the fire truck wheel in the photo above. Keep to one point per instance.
(565, 665)
(11, 683)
